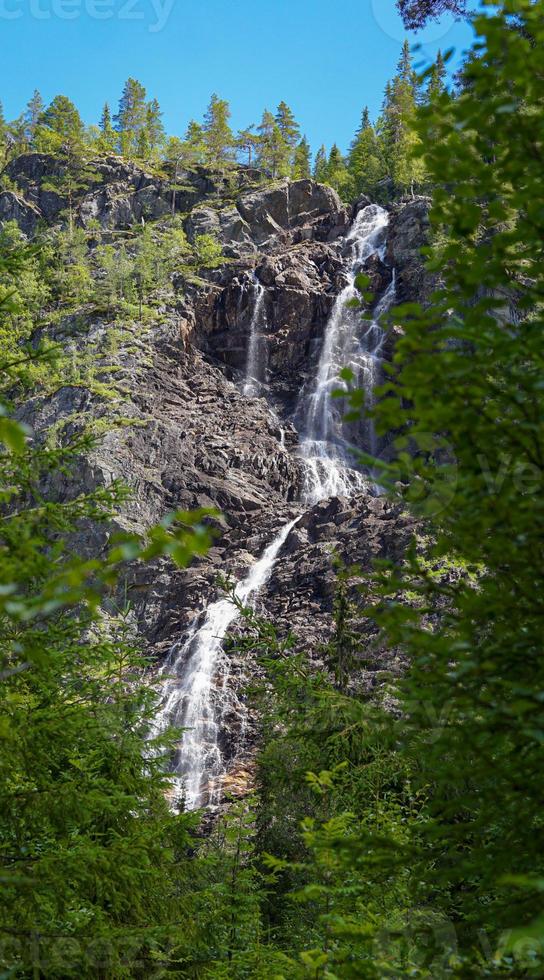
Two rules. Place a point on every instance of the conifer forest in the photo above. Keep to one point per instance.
(272, 513)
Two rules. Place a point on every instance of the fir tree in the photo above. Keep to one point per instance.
(338, 175)
(61, 119)
(273, 151)
(302, 165)
(216, 133)
(320, 171)
(131, 116)
(108, 138)
(33, 113)
(287, 124)
(398, 138)
(154, 125)
(437, 84)
(364, 161)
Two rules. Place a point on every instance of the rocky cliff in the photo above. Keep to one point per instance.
(189, 436)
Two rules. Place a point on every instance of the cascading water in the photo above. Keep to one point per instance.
(193, 699)
(196, 674)
(255, 349)
(349, 342)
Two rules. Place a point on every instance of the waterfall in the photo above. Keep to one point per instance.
(352, 342)
(193, 699)
(197, 693)
(255, 351)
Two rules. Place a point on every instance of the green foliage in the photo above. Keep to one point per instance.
(399, 143)
(302, 163)
(465, 396)
(208, 252)
(217, 136)
(94, 864)
(365, 162)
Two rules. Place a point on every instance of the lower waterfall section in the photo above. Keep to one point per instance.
(192, 695)
(197, 692)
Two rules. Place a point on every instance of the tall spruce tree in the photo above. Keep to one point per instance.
(154, 126)
(131, 117)
(274, 152)
(365, 163)
(217, 135)
(398, 138)
(61, 124)
(302, 163)
(437, 83)
(33, 113)
(320, 165)
(338, 175)
(107, 140)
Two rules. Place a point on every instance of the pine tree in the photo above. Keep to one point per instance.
(216, 133)
(154, 125)
(397, 133)
(338, 175)
(131, 116)
(302, 165)
(108, 138)
(437, 84)
(61, 125)
(248, 142)
(274, 152)
(416, 12)
(364, 161)
(33, 113)
(289, 129)
(320, 171)
(287, 124)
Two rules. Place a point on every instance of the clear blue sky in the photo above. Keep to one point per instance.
(325, 59)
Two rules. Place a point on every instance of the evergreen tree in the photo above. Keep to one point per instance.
(287, 125)
(154, 126)
(289, 129)
(398, 138)
(108, 138)
(216, 133)
(416, 12)
(131, 116)
(302, 165)
(33, 113)
(338, 175)
(437, 78)
(60, 125)
(364, 161)
(274, 152)
(248, 142)
(320, 172)
(195, 145)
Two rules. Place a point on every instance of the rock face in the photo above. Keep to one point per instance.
(185, 435)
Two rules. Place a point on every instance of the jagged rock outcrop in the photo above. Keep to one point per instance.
(409, 231)
(185, 436)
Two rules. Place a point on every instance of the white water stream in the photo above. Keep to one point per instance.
(196, 673)
(353, 342)
(255, 349)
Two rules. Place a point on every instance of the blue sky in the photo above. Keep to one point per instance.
(325, 59)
